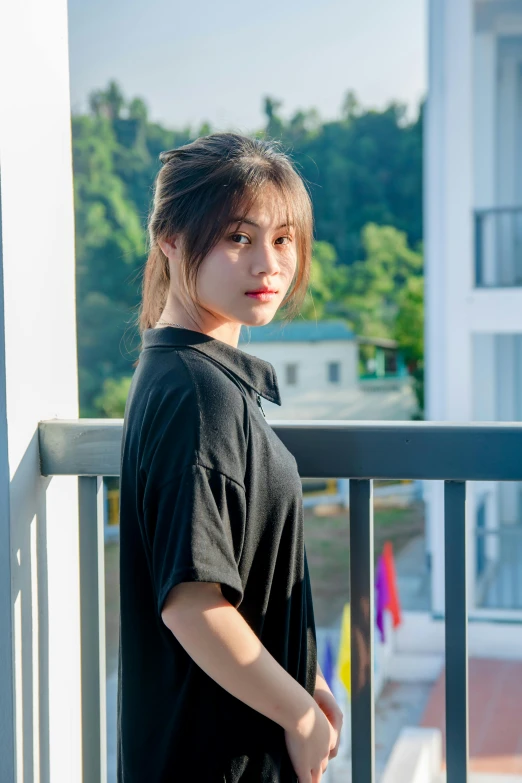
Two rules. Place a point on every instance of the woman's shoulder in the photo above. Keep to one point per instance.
(194, 390)
(200, 381)
(195, 408)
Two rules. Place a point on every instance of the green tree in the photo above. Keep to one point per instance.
(364, 168)
(107, 103)
(375, 283)
(409, 333)
(113, 397)
(409, 323)
(327, 278)
(364, 174)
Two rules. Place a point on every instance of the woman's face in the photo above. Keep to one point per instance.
(259, 254)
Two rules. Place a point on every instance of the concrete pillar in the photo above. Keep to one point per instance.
(39, 576)
(485, 409)
(484, 118)
(448, 236)
(507, 408)
(485, 146)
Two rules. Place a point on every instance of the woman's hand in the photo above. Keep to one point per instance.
(308, 744)
(326, 701)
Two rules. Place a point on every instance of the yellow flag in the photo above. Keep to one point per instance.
(345, 657)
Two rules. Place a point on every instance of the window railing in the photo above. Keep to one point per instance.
(498, 247)
(360, 451)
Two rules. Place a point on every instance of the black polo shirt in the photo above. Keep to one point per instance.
(208, 493)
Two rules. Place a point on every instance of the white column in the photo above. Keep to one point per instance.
(448, 234)
(485, 409)
(485, 146)
(506, 118)
(484, 378)
(39, 372)
(484, 118)
(507, 407)
(7, 736)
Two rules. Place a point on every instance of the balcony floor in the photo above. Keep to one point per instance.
(495, 729)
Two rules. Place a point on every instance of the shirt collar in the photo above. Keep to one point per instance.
(255, 372)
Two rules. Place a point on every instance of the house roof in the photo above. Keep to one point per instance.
(297, 331)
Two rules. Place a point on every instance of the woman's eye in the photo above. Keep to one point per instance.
(234, 238)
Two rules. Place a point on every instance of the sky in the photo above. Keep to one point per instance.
(205, 61)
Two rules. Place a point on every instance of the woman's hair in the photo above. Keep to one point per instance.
(199, 190)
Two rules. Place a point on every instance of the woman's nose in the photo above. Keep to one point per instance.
(266, 260)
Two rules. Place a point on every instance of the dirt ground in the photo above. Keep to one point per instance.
(328, 551)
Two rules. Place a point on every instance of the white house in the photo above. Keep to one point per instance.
(317, 366)
(473, 243)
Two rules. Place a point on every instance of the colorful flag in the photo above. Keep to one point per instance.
(328, 663)
(393, 603)
(382, 595)
(345, 653)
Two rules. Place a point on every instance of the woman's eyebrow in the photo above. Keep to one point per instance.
(253, 223)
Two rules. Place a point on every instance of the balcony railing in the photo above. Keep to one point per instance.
(498, 247)
(361, 451)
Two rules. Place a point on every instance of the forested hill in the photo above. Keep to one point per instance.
(364, 171)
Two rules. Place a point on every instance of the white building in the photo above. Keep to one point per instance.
(473, 241)
(317, 367)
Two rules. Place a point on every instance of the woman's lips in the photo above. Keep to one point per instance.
(262, 296)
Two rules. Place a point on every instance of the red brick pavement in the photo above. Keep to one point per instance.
(495, 715)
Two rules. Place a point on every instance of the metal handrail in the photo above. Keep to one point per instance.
(360, 451)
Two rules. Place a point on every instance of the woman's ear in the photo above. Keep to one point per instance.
(169, 247)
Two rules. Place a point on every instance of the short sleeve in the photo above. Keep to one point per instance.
(197, 524)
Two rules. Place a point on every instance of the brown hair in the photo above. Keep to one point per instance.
(197, 192)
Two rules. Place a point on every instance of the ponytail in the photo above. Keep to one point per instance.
(156, 278)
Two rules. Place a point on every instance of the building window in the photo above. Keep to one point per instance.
(334, 372)
(291, 374)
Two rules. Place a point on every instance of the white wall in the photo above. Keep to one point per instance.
(484, 117)
(41, 383)
(485, 409)
(419, 634)
(509, 187)
(448, 221)
(508, 390)
(312, 359)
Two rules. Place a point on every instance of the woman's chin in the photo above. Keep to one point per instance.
(260, 318)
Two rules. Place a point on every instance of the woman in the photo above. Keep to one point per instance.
(218, 676)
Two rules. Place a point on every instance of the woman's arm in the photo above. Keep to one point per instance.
(221, 642)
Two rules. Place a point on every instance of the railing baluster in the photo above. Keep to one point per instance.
(92, 595)
(362, 621)
(456, 631)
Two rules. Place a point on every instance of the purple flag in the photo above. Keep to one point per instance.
(381, 595)
(328, 663)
